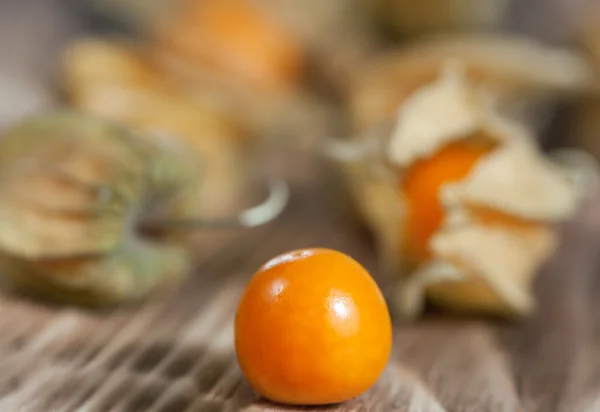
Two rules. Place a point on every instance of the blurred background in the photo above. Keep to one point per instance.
(269, 69)
(255, 89)
(317, 48)
(259, 88)
(307, 55)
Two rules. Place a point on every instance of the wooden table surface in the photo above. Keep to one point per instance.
(175, 352)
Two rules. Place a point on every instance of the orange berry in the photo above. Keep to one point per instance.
(239, 39)
(312, 328)
(421, 187)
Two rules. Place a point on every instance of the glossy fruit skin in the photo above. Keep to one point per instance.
(312, 328)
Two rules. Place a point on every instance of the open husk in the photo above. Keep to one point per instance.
(116, 81)
(497, 222)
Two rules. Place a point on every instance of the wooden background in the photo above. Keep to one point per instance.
(175, 352)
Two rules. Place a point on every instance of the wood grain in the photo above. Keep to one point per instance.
(175, 352)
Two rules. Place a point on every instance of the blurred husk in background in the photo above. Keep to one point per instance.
(322, 49)
(526, 76)
(253, 59)
(76, 194)
(113, 80)
(259, 84)
(477, 251)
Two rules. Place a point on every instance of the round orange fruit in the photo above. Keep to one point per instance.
(312, 328)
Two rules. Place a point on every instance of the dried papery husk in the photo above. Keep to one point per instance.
(116, 80)
(481, 268)
(486, 255)
(522, 73)
(498, 216)
(517, 180)
(446, 111)
(75, 192)
(375, 195)
(406, 17)
(237, 53)
(132, 273)
(109, 62)
(44, 156)
(369, 160)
